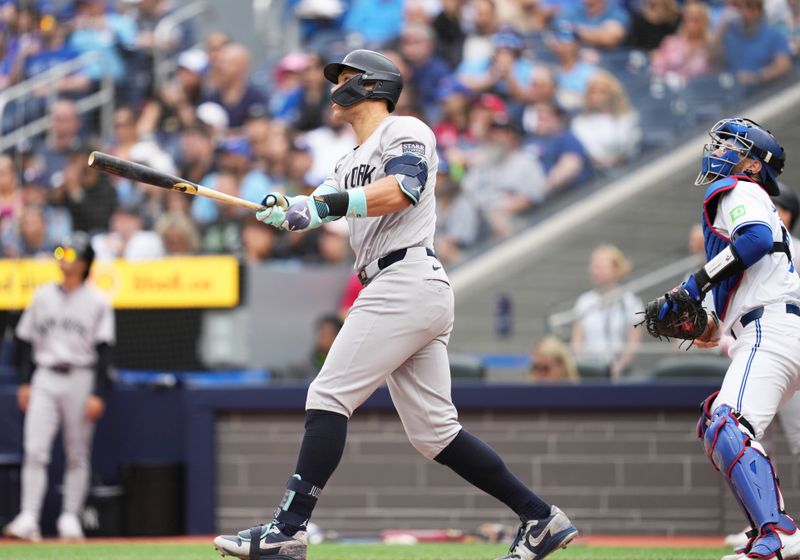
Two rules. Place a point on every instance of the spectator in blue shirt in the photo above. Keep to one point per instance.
(599, 23)
(95, 30)
(505, 72)
(374, 22)
(564, 159)
(50, 50)
(753, 50)
(572, 73)
(235, 159)
(427, 69)
(237, 95)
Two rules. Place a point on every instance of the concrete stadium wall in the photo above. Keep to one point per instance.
(634, 472)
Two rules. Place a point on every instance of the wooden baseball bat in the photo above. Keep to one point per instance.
(142, 173)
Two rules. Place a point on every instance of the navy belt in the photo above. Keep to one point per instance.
(758, 312)
(368, 272)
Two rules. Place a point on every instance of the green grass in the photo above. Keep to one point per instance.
(149, 551)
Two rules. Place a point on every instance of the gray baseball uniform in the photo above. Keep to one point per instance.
(63, 329)
(398, 329)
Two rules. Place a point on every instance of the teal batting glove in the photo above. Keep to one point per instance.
(274, 216)
(306, 213)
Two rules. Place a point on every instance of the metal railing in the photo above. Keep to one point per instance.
(560, 320)
(21, 130)
(164, 60)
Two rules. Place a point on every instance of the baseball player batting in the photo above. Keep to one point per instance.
(756, 294)
(67, 332)
(397, 330)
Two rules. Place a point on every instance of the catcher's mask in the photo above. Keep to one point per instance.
(732, 140)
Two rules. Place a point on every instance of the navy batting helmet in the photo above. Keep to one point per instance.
(374, 69)
(787, 200)
(77, 246)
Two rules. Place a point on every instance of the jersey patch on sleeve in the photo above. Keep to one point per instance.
(413, 147)
(738, 212)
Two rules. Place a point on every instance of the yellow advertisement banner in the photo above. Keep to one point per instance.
(171, 282)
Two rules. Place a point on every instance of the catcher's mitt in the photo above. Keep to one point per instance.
(682, 316)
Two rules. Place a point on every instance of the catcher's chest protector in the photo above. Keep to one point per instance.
(716, 242)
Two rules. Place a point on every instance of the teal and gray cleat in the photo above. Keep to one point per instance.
(263, 542)
(539, 537)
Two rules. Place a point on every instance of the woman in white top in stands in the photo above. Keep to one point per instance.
(607, 126)
(603, 332)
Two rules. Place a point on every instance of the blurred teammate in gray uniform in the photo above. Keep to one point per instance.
(64, 341)
(398, 329)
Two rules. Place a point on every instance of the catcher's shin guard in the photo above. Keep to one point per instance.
(728, 443)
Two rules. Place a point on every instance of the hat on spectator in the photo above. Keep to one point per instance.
(237, 145)
(213, 115)
(292, 62)
(193, 60)
(507, 39)
(450, 86)
(492, 102)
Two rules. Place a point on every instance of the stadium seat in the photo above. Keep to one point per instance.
(592, 370)
(690, 367)
(466, 367)
(705, 97)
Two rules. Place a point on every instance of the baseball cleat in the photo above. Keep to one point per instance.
(23, 527)
(263, 542)
(69, 527)
(779, 540)
(537, 538)
(738, 540)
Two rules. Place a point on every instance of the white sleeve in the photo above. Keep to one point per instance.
(407, 135)
(105, 330)
(26, 322)
(582, 304)
(746, 204)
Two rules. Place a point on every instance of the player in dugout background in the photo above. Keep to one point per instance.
(399, 326)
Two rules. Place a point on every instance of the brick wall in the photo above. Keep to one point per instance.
(627, 472)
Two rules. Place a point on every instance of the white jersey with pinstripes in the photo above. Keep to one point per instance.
(65, 327)
(375, 237)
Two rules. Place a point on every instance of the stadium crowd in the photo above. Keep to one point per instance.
(528, 99)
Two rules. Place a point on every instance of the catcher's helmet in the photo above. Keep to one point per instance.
(77, 246)
(735, 139)
(787, 199)
(375, 69)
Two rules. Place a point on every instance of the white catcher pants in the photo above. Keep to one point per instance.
(765, 367)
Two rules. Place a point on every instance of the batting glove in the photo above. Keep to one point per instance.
(275, 205)
(303, 214)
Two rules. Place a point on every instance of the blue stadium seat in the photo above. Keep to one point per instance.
(706, 97)
(657, 119)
